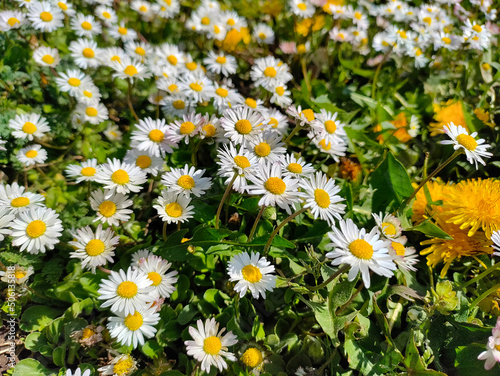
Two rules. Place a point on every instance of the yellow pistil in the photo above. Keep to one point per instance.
(186, 182)
(178, 104)
(205, 21)
(19, 202)
(399, 248)
(196, 87)
(88, 171)
(221, 92)
(107, 208)
(88, 53)
(212, 345)
(130, 70)
(95, 247)
(322, 198)
(133, 322)
(250, 102)
(209, 130)
(74, 82)
(31, 153)
(270, 72)
(309, 114)
(174, 210)
(187, 127)
(46, 16)
(263, 149)
(36, 228)
(123, 366)
(251, 273)
(143, 161)
(280, 90)
(361, 249)
(221, 59)
(47, 59)
(275, 185)
(330, 126)
(155, 277)
(467, 141)
(252, 357)
(91, 111)
(120, 177)
(294, 168)
(172, 60)
(87, 333)
(86, 25)
(127, 289)
(388, 228)
(19, 274)
(29, 128)
(243, 126)
(156, 135)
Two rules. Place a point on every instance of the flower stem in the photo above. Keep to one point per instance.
(129, 100)
(223, 200)
(358, 290)
(254, 227)
(304, 73)
(331, 278)
(164, 232)
(297, 128)
(280, 226)
(482, 275)
(107, 271)
(484, 295)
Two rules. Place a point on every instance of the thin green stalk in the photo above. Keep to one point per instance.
(482, 275)
(164, 232)
(223, 200)
(254, 227)
(297, 128)
(280, 226)
(306, 76)
(484, 295)
(331, 278)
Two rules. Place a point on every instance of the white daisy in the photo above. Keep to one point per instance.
(140, 257)
(220, 63)
(270, 72)
(45, 16)
(186, 129)
(16, 199)
(321, 196)
(130, 69)
(296, 167)
(85, 53)
(460, 139)
(241, 124)
(276, 121)
(186, 181)
(94, 249)
(134, 327)
(121, 365)
(120, 177)
(156, 268)
(174, 207)
(168, 8)
(6, 218)
(144, 8)
(88, 93)
(302, 8)
(122, 32)
(12, 19)
(31, 155)
(304, 117)
(112, 55)
(170, 54)
(138, 49)
(29, 126)
(256, 105)
(209, 346)
(495, 238)
(78, 372)
(66, 7)
(263, 33)
(94, 112)
(177, 105)
(492, 353)
(125, 292)
(226, 97)
(388, 225)
(71, 80)
(281, 96)
(106, 14)
(148, 163)
(46, 56)
(151, 135)
(113, 132)
(231, 161)
(36, 230)
(196, 87)
(362, 251)
(84, 171)
(336, 149)
(21, 274)
(253, 273)
(267, 147)
(328, 127)
(110, 209)
(85, 26)
(404, 257)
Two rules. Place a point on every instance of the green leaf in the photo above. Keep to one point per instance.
(38, 317)
(30, 367)
(152, 349)
(34, 341)
(466, 362)
(431, 230)
(59, 356)
(187, 314)
(413, 362)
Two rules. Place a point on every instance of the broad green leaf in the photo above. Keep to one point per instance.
(31, 367)
(38, 317)
(431, 230)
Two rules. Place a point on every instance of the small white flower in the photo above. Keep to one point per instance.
(151, 136)
(186, 181)
(121, 362)
(46, 56)
(71, 80)
(120, 177)
(133, 328)
(31, 155)
(404, 257)
(150, 164)
(174, 207)
(231, 162)
(17, 200)
(186, 129)
(84, 171)
(6, 218)
(28, 126)
(241, 124)
(130, 69)
(45, 16)
(253, 273)
(86, 53)
(388, 225)
(492, 353)
(220, 63)
(156, 269)
(94, 111)
(85, 26)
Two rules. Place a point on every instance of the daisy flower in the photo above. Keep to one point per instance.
(196, 86)
(275, 190)
(94, 112)
(388, 225)
(148, 163)
(186, 181)
(168, 8)
(94, 249)
(125, 292)
(151, 136)
(140, 257)
(138, 49)
(46, 56)
(321, 196)
(120, 177)
(232, 161)
(226, 97)
(362, 251)
(170, 85)
(133, 328)
(276, 121)
(281, 96)
(106, 14)
(253, 273)
(296, 167)
(495, 238)
(170, 54)
(120, 31)
(209, 346)
(336, 149)
(174, 207)
(328, 127)
(210, 129)
(112, 55)
(14, 197)
(6, 217)
(122, 365)
(263, 33)
(21, 274)
(113, 133)
(252, 104)
(404, 257)
(270, 72)
(31, 155)
(267, 147)
(29, 126)
(110, 209)
(71, 80)
(84, 171)
(461, 140)
(78, 372)
(88, 94)
(186, 129)
(304, 117)
(177, 105)
(12, 20)
(85, 53)
(253, 357)
(130, 69)
(36, 230)
(220, 63)
(45, 16)
(302, 8)
(85, 26)
(144, 8)
(156, 268)
(66, 7)
(241, 124)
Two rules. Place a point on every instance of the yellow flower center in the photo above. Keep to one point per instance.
(388, 228)
(251, 273)
(172, 60)
(330, 126)
(191, 66)
(309, 114)
(12, 21)
(172, 87)
(126, 289)
(46, 16)
(133, 322)
(95, 247)
(467, 141)
(130, 70)
(91, 111)
(209, 130)
(301, 48)
(143, 8)
(143, 161)
(273, 122)
(252, 357)
(486, 66)
(140, 51)
(36, 229)
(221, 59)
(106, 15)
(402, 34)
(250, 102)
(186, 182)
(262, 36)
(241, 161)
(107, 208)
(123, 366)
(29, 128)
(427, 20)
(361, 249)
(19, 274)
(324, 145)
(205, 21)
(156, 135)
(87, 333)
(88, 171)
(120, 177)
(212, 345)
(280, 90)
(88, 53)
(243, 126)
(187, 127)
(19, 202)
(275, 185)
(446, 40)
(302, 6)
(357, 15)
(155, 277)
(87, 93)
(399, 248)
(231, 22)
(74, 81)
(179, 104)
(174, 210)
(263, 149)
(322, 198)
(31, 153)
(270, 72)
(47, 59)
(295, 168)
(123, 30)
(477, 28)
(221, 92)
(86, 25)
(196, 87)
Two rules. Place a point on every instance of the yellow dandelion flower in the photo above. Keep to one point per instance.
(421, 208)
(450, 112)
(484, 116)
